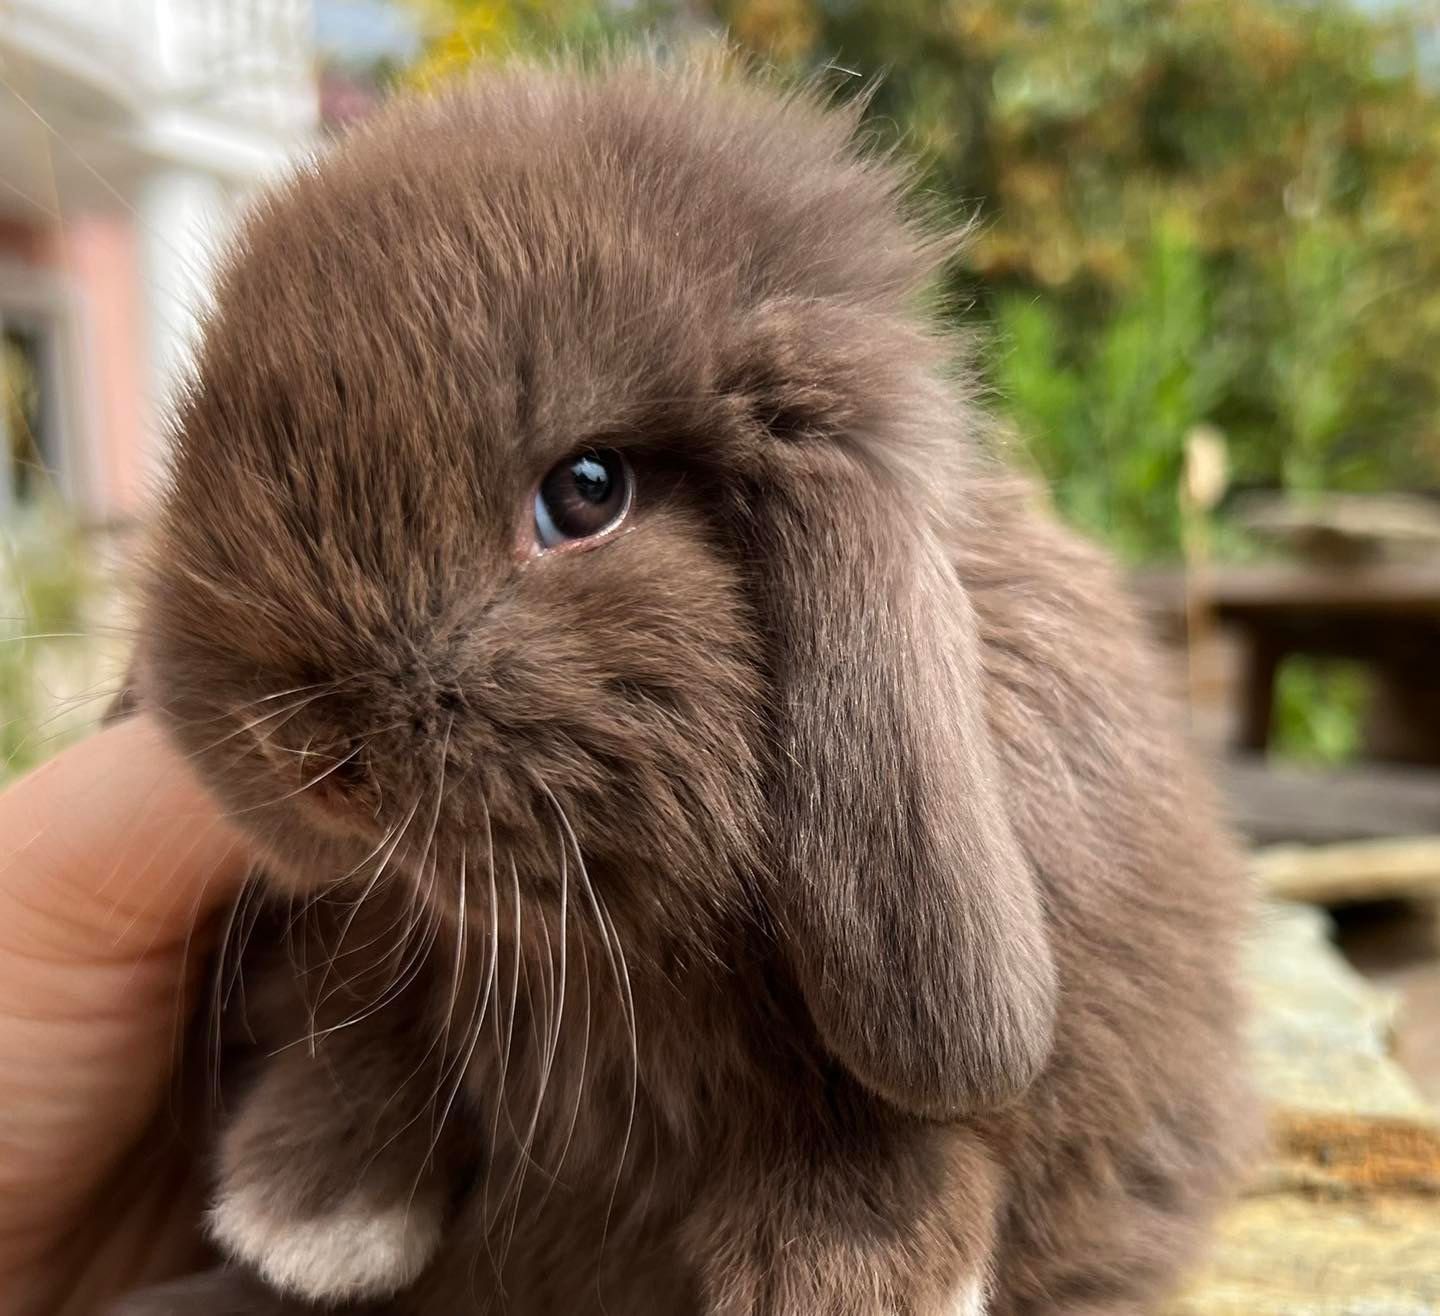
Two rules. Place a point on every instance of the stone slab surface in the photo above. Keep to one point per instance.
(1343, 1217)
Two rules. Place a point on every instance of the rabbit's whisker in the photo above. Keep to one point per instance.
(503, 1087)
(400, 832)
(473, 1031)
(621, 971)
(585, 1041)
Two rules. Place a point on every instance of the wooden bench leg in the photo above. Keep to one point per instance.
(1257, 712)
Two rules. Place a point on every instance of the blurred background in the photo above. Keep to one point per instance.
(1205, 290)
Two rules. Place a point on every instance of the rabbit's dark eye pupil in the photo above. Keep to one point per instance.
(584, 496)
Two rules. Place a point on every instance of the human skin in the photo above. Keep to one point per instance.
(113, 865)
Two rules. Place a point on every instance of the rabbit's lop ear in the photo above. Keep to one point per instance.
(913, 917)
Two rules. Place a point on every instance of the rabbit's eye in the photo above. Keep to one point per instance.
(584, 496)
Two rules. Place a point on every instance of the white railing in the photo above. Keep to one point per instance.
(242, 60)
(250, 59)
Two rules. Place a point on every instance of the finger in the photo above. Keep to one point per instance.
(111, 849)
(111, 860)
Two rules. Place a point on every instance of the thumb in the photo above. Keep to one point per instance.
(111, 851)
(112, 859)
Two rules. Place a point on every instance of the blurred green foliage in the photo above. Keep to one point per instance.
(1105, 413)
(1320, 707)
(1217, 211)
(46, 583)
(1194, 210)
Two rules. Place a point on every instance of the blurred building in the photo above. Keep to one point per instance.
(130, 131)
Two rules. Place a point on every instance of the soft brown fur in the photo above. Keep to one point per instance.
(795, 904)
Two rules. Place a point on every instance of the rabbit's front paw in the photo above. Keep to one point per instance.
(355, 1248)
(332, 1182)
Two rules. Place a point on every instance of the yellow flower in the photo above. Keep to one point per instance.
(785, 30)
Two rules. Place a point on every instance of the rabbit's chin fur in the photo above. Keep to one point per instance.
(791, 900)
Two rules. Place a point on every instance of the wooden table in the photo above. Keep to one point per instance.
(1386, 616)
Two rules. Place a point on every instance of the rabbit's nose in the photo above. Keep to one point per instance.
(432, 699)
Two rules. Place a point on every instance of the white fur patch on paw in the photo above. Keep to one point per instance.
(969, 1299)
(356, 1252)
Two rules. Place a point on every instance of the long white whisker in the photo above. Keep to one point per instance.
(219, 991)
(360, 900)
(555, 1009)
(229, 713)
(302, 788)
(474, 1030)
(503, 1103)
(616, 953)
(585, 1042)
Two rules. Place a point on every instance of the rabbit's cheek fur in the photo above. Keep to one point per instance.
(794, 903)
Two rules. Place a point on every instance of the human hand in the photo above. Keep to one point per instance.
(113, 862)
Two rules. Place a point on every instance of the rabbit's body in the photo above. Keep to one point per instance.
(796, 902)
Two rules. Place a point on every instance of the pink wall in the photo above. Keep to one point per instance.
(98, 257)
(101, 255)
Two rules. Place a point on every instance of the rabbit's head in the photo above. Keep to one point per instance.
(560, 506)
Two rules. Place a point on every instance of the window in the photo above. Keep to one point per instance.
(27, 411)
(37, 411)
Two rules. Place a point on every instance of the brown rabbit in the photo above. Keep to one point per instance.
(726, 850)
